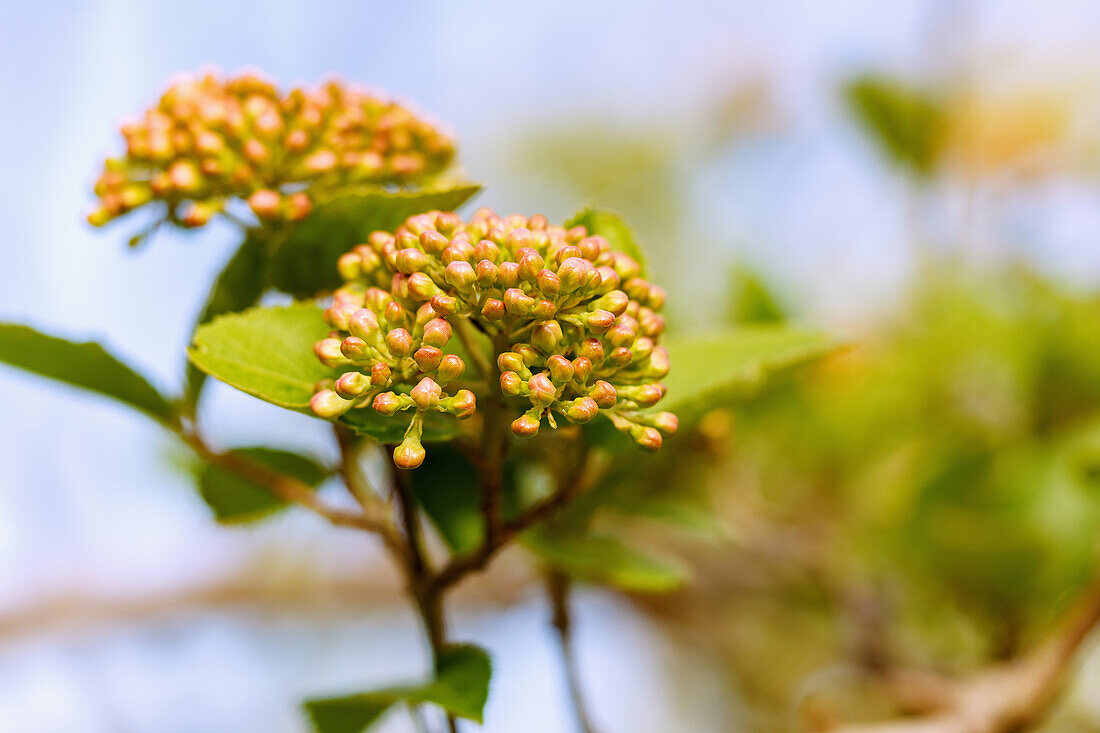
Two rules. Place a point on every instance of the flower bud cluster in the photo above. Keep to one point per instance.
(574, 325)
(209, 140)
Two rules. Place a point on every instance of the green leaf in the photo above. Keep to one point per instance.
(304, 262)
(606, 560)
(446, 485)
(235, 500)
(715, 369)
(265, 352)
(82, 364)
(239, 285)
(613, 228)
(268, 353)
(907, 123)
(461, 687)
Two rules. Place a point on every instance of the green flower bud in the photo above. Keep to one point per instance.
(546, 336)
(561, 369)
(410, 261)
(510, 361)
(517, 302)
(604, 394)
(328, 351)
(460, 275)
(421, 286)
(574, 273)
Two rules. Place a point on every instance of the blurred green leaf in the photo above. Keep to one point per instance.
(81, 364)
(461, 687)
(752, 301)
(446, 485)
(907, 123)
(239, 285)
(236, 500)
(605, 560)
(613, 228)
(268, 353)
(713, 369)
(304, 261)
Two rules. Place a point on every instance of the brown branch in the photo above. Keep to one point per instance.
(557, 589)
(1010, 697)
(292, 491)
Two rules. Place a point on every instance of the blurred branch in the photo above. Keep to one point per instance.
(1009, 697)
(557, 589)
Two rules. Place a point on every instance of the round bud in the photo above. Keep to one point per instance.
(546, 336)
(549, 284)
(328, 404)
(421, 286)
(591, 349)
(437, 332)
(450, 368)
(511, 384)
(352, 385)
(542, 390)
(561, 369)
(426, 393)
(411, 261)
(410, 454)
(428, 358)
(582, 410)
(363, 323)
(574, 273)
(493, 310)
(380, 374)
(666, 422)
(463, 404)
(445, 305)
(387, 404)
(582, 369)
(525, 426)
(460, 275)
(648, 439)
(604, 394)
(354, 348)
(399, 342)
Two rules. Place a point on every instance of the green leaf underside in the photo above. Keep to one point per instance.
(613, 228)
(714, 370)
(239, 286)
(461, 687)
(446, 485)
(304, 263)
(81, 364)
(606, 560)
(268, 353)
(235, 500)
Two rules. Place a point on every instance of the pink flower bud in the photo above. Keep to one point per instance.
(355, 349)
(460, 275)
(450, 368)
(486, 250)
(463, 404)
(647, 438)
(542, 390)
(426, 393)
(512, 385)
(543, 310)
(620, 356)
(566, 253)
(621, 336)
(510, 361)
(428, 358)
(591, 349)
(445, 305)
(437, 332)
(582, 410)
(352, 385)
(328, 404)
(509, 274)
(265, 204)
(493, 310)
(582, 369)
(604, 394)
(574, 273)
(363, 324)
(328, 351)
(421, 286)
(410, 454)
(656, 299)
(487, 273)
(666, 422)
(380, 374)
(525, 426)
(546, 336)
(433, 242)
(530, 263)
(599, 321)
(561, 369)
(411, 261)
(399, 342)
(517, 302)
(387, 404)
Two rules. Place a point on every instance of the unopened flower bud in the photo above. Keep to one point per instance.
(421, 286)
(399, 342)
(328, 404)
(666, 422)
(517, 302)
(549, 284)
(542, 390)
(582, 410)
(591, 349)
(574, 273)
(352, 385)
(445, 305)
(460, 275)
(582, 369)
(411, 261)
(546, 336)
(493, 310)
(426, 393)
(450, 368)
(525, 425)
(621, 336)
(604, 394)
(355, 349)
(428, 358)
(328, 351)
(512, 385)
(388, 404)
(462, 405)
(380, 374)
(363, 324)
(265, 204)
(433, 242)
(647, 438)
(437, 332)
(561, 369)
(409, 454)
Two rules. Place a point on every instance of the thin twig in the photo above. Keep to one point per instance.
(291, 490)
(557, 589)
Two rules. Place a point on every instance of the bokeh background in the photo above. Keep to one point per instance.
(941, 474)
